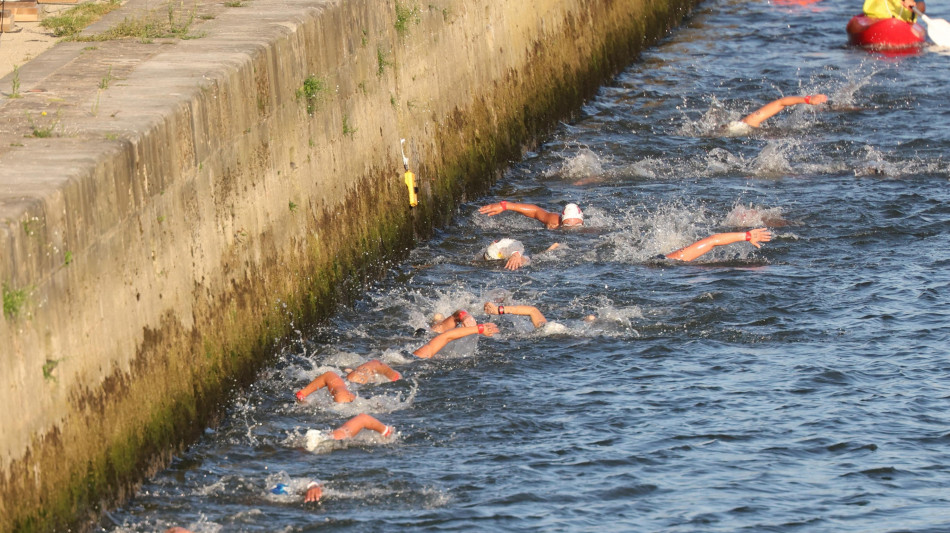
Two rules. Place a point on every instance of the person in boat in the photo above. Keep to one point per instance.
(754, 237)
(337, 387)
(769, 110)
(887, 9)
(569, 217)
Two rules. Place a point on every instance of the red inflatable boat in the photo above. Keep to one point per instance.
(885, 34)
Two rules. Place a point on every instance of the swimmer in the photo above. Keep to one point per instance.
(509, 249)
(337, 387)
(358, 423)
(440, 341)
(524, 310)
(371, 369)
(570, 216)
(771, 109)
(334, 384)
(441, 325)
(313, 493)
(698, 248)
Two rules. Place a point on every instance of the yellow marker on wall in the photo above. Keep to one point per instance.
(409, 178)
(413, 190)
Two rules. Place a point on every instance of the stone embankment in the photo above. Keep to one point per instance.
(170, 208)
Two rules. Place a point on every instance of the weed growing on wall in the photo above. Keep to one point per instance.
(13, 301)
(15, 83)
(48, 368)
(152, 25)
(348, 129)
(106, 80)
(405, 15)
(75, 19)
(382, 60)
(42, 130)
(312, 92)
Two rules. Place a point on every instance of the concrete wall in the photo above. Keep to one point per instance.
(187, 208)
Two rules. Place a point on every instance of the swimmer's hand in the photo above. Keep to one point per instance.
(815, 99)
(314, 493)
(758, 235)
(515, 262)
(491, 209)
(491, 309)
(487, 329)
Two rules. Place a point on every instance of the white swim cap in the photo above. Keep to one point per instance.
(737, 128)
(315, 437)
(496, 250)
(572, 211)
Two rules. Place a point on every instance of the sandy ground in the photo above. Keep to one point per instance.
(28, 41)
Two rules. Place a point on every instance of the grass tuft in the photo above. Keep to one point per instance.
(13, 301)
(313, 91)
(75, 19)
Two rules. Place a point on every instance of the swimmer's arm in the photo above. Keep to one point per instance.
(323, 380)
(358, 423)
(440, 341)
(365, 371)
(459, 317)
(524, 310)
(549, 219)
(770, 109)
(703, 246)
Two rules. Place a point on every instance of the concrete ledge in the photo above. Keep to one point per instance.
(168, 208)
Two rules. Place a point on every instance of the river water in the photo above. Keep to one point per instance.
(800, 387)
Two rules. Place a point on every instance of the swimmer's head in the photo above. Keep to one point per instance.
(572, 216)
(496, 250)
(737, 128)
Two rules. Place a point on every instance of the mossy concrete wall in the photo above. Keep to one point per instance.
(186, 209)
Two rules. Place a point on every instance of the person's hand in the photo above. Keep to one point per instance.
(491, 309)
(487, 329)
(314, 494)
(515, 262)
(815, 99)
(758, 235)
(491, 209)
(468, 321)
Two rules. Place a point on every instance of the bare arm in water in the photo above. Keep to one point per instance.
(774, 107)
(703, 246)
(526, 310)
(358, 423)
(432, 347)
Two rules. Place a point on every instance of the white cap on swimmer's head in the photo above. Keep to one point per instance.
(571, 211)
(496, 250)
